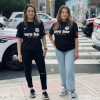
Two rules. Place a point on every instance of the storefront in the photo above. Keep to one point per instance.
(82, 9)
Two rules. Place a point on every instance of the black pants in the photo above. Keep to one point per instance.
(27, 57)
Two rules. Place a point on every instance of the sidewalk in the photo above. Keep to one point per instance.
(87, 88)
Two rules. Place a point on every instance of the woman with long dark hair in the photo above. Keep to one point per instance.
(65, 31)
(30, 32)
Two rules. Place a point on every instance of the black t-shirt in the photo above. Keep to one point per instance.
(65, 36)
(31, 35)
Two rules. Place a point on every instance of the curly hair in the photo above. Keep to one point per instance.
(36, 18)
(57, 25)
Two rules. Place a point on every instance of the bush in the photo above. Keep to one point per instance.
(9, 6)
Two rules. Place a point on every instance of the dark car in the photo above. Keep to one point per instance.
(88, 26)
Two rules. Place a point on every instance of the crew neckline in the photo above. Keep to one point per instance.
(63, 22)
(30, 22)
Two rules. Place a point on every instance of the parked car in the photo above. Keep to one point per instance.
(87, 27)
(3, 20)
(96, 33)
(8, 48)
(47, 20)
(17, 17)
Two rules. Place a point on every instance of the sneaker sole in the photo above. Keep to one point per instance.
(64, 95)
(74, 97)
(32, 96)
(46, 99)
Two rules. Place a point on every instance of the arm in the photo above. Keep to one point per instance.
(76, 49)
(51, 39)
(19, 41)
(44, 44)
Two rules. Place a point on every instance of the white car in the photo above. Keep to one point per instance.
(96, 33)
(47, 20)
(3, 20)
(8, 48)
(17, 17)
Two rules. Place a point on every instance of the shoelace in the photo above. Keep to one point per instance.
(64, 90)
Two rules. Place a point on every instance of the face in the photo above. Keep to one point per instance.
(64, 14)
(30, 13)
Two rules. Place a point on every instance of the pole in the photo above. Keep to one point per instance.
(52, 7)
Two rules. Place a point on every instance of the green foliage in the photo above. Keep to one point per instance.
(9, 6)
(58, 3)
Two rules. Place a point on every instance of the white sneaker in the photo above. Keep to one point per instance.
(73, 95)
(64, 92)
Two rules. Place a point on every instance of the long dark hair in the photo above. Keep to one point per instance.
(36, 18)
(58, 17)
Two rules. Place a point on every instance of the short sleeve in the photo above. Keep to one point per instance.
(42, 30)
(75, 30)
(51, 31)
(19, 31)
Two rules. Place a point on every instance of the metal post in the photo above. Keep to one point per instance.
(52, 7)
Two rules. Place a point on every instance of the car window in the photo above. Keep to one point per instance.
(1, 19)
(41, 16)
(5, 19)
(18, 16)
(99, 17)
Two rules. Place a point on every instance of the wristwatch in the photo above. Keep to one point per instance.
(45, 49)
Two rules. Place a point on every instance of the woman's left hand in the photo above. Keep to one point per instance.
(44, 53)
(76, 55)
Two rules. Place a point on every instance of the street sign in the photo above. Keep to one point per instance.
(50, 2)
(88, 1)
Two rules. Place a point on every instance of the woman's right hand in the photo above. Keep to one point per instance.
(19, 57)
(54, 46)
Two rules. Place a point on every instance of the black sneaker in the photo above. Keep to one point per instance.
(32, 93)
(45, 96)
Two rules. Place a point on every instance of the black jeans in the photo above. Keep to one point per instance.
(27, 57)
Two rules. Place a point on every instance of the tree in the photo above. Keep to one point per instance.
(9, 6)
(28, 1)
(58, 3)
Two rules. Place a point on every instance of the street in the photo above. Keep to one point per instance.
(87, 71)
(88, 62)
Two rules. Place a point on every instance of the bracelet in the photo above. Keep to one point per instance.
(45, 49)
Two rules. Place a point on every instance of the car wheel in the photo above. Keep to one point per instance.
(85, 30)
(11, 59)
(90, 30)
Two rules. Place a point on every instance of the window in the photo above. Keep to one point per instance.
(18, 16)
(92, 12)
(42, 8)
(98, 17)
(42, 0)
(41, 16)
(5, 19)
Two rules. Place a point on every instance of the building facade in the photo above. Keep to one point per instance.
(82, 9)
(77, 9)
(94, 7)
(42, 6)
